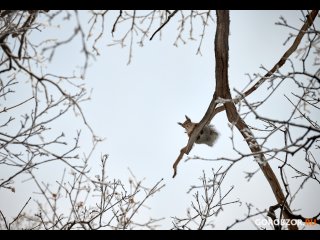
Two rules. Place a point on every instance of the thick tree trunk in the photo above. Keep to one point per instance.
(223, 91)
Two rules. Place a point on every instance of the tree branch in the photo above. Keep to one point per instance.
(309, 21)
(168, 19)
(223, 91)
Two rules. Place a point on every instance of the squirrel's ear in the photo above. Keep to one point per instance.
(180, 124)
(187, 118)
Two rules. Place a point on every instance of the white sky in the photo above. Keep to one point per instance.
(137, 107)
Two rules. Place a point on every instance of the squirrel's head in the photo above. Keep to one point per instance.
(188, 125)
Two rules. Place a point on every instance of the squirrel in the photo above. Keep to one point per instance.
(208, 134)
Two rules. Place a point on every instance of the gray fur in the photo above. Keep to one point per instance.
(208, 136)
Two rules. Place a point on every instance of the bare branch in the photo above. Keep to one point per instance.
(168, 19)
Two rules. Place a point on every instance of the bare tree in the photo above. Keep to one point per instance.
(259, 151)
(26, 148)
(30, 142)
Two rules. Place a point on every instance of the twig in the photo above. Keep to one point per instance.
(19, 213)
(115, 23)
(168, 19)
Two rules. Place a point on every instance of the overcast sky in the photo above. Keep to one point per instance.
(136, 108)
